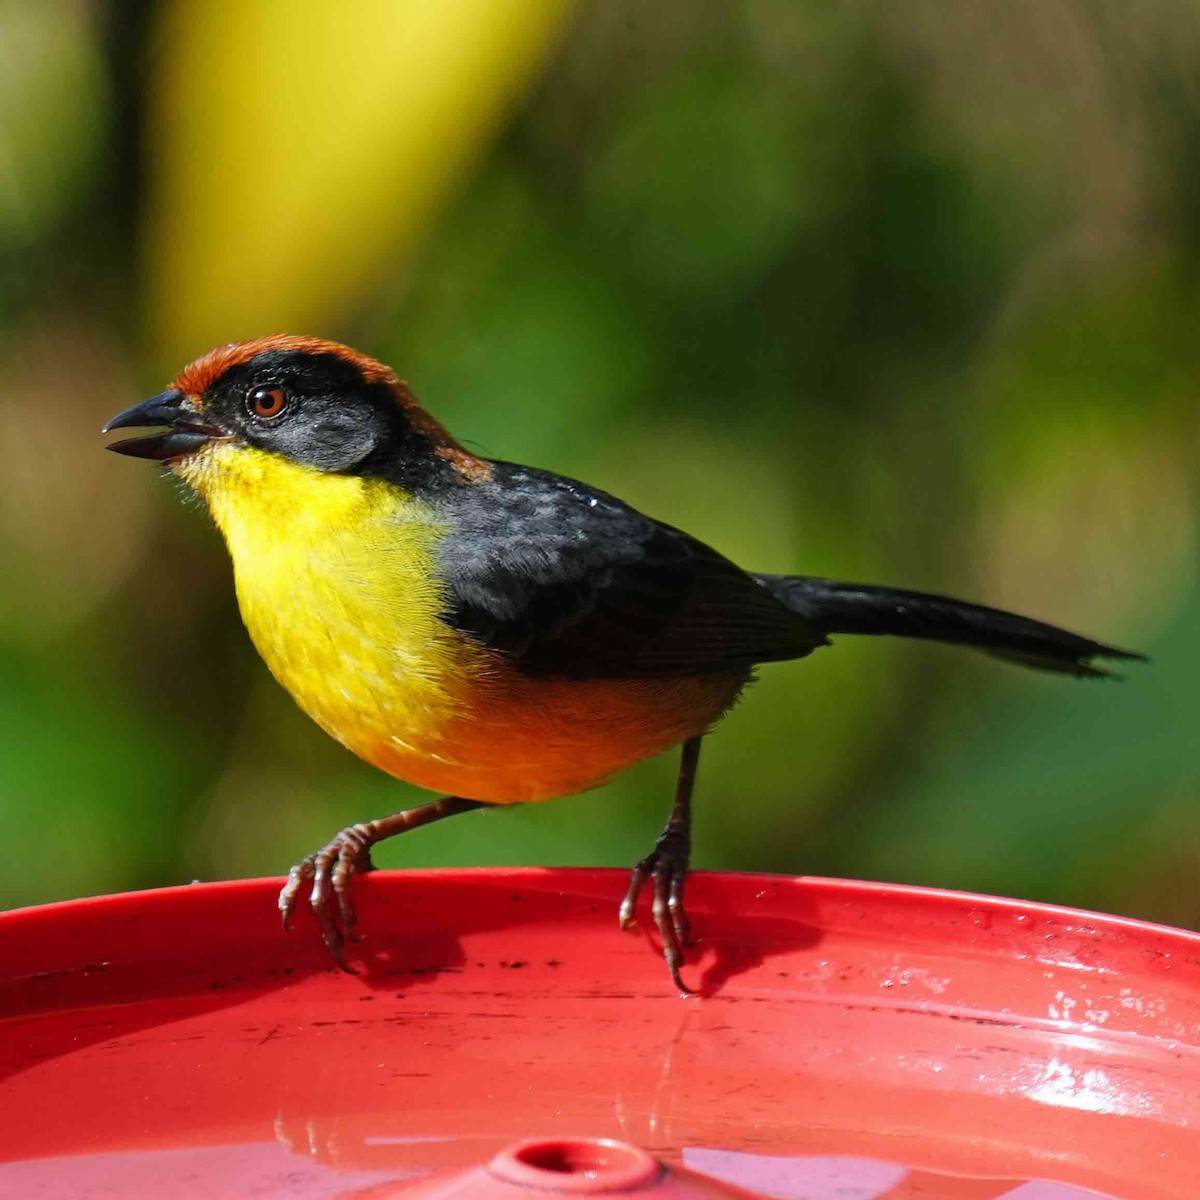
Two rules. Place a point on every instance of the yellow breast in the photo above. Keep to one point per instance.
(338, 584)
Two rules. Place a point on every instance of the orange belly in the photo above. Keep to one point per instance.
(515, 739)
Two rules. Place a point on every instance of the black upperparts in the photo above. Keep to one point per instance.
(567, 580)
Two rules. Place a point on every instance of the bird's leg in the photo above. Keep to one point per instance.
(348, 854)
(667, 866)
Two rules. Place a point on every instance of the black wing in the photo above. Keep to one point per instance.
(567, 580)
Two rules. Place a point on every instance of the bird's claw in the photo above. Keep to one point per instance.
(666, 867)
(331, 870)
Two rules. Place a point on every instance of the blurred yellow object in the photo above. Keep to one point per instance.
(295, 151)
(54, 115)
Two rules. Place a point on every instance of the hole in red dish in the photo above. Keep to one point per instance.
(576, 1165)
(570, 1158)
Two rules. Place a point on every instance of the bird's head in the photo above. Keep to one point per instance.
(318, 405)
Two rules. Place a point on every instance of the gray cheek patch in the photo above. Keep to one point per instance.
(339, 444)
(331, 437)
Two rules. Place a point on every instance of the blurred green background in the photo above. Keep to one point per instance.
(902, 293)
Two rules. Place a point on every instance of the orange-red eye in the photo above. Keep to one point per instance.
(268, 402)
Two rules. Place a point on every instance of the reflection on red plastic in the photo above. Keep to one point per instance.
(851, 1040)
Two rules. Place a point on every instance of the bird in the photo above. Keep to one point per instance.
(492, 632)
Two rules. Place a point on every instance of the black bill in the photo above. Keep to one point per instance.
(184, 433)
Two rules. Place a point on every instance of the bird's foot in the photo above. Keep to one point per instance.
(331, 869)
(666, 867)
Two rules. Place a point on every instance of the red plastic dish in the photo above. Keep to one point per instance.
(852, 1040)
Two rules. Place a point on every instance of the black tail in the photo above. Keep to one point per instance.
(861, 608)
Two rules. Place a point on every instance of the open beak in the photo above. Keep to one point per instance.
(183, 435)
